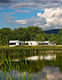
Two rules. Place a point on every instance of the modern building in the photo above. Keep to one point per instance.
(29, 43)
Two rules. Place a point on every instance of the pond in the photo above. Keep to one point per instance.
(45, 66)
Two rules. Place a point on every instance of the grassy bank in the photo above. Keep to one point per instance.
(26, 46)
(58, 48)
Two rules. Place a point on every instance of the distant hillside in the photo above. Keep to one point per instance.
(55, 31)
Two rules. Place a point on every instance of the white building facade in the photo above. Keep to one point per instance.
(30, 43)
(13, 43)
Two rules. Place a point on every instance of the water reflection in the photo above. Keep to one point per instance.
(34, 58)
(48, 72)
(47, 57)
(32, 70)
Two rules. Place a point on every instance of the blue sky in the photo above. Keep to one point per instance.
(46, 14)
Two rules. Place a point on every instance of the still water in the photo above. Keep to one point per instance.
(32, 68)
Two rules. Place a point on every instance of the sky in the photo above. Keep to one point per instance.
(46, 14)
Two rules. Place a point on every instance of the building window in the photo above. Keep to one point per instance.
(43, 43)
(12, 43)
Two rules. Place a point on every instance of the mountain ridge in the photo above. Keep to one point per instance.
(55, 31)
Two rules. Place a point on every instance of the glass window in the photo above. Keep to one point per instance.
(12, 43)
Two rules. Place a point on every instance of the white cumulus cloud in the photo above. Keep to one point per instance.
(21, 21)
(53, 17)
(50, 19)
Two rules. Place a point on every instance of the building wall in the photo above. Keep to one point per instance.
(13, 43)
(31, 43)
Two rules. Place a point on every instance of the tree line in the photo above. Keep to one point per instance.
(33, 33)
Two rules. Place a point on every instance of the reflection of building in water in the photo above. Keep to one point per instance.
(30, 43)
(34, 58)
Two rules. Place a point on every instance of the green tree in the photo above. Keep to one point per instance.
(52, 37)
(4, 35)
(59, 38)
(20, 34)
(40, 37)
(33, 31)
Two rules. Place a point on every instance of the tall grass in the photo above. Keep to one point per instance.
(7, 66)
